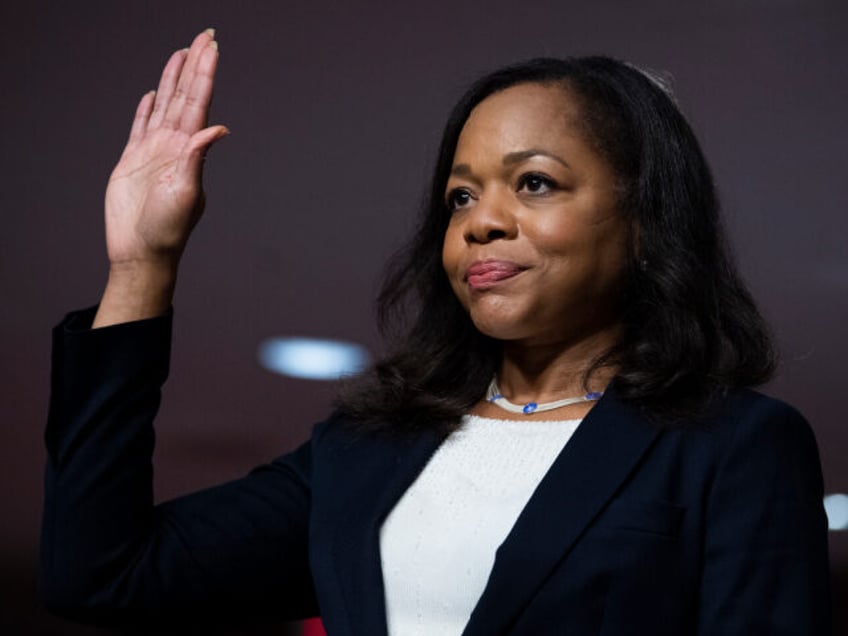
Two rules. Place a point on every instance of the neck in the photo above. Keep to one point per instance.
(543, 372)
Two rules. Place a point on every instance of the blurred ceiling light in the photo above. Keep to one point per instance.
(312, 358)
(836, 507)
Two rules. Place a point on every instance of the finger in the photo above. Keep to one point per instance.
(196, 109)
(167, 86)
(190, 163)
(186, 78)
(142, 115)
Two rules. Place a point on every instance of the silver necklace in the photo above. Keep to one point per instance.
(494, 395)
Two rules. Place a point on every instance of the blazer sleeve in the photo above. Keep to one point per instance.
(765, 551)
(108, 555)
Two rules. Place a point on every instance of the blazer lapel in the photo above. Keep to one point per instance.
(597, 459)
(392, 465)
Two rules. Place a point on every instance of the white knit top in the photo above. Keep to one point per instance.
(438, 543)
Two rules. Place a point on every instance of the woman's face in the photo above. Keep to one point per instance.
(536, 246)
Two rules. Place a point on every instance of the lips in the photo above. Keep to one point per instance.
(486, 274)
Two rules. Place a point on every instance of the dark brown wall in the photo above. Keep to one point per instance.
(335, 110)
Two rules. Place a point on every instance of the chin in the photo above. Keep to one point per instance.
(498, 327)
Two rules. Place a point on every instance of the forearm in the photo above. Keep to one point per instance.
(98, 480)
(237, 551)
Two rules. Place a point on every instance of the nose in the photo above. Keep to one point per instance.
(489, 220)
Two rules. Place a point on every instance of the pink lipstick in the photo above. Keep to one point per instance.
(486, 274)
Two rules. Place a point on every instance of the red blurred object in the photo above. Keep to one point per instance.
(313, 627)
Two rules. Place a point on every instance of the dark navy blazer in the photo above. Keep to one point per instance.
(715, 526)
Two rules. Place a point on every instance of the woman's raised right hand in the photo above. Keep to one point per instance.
(155, 196)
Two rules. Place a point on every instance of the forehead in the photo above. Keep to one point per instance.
(531, 114)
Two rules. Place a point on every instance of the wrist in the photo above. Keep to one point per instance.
(136, 291)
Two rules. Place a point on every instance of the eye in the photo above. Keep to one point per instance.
(535, 183)
(457, 198)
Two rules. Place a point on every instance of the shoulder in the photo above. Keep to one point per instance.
(767, 445)
(748, 404)
(729, 418)
(341, 449)
(748, 441)
(748, 417)
(761, 434)
(341, 433)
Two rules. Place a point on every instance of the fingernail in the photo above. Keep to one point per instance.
(213, 44)
(210, 31)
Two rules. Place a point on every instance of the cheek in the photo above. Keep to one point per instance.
(450, 253)
(446, 256)
(453, 253)
(613, 249)
(559, 241)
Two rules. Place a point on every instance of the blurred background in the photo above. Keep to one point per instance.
(335, 110)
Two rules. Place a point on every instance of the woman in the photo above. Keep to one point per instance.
(561, 441)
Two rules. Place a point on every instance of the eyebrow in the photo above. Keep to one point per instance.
(521, 155)
(463, 169)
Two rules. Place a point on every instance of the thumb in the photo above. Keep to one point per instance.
(190, 163)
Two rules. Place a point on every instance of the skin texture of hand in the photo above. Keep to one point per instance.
(155, 197)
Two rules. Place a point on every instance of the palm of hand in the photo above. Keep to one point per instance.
(154, 197)
(151, 205)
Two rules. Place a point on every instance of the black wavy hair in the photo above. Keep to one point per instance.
(690, 328)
